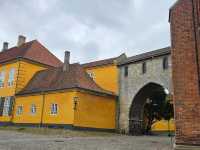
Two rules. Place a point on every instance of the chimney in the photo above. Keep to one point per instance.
(66, 61)
(21, 40)
(5, 46)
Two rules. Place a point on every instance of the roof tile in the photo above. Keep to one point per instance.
(57, 79)
(32, 50)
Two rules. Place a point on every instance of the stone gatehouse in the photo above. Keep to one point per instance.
(139, 77)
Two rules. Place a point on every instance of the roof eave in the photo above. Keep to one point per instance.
(52, 90)
(144, 58)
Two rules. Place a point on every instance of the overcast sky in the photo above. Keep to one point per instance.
(90, 29)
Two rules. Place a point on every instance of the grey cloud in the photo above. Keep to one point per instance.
(90, 29)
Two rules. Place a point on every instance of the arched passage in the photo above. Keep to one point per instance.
(136, 114)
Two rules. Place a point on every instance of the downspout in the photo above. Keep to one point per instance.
(196, 46)
(42, 113)
(117, 109)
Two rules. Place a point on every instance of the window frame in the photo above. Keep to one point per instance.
(33, 107)
(11, 77)
(2, 78)
(54, 109)
(19, 111)
(92, 75)
(6, 106)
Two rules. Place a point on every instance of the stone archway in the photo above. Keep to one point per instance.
(136, 117)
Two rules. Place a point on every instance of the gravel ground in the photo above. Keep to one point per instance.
(11, 140)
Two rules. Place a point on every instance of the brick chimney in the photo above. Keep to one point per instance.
(5, 46)
(66, 61)
(21, 40)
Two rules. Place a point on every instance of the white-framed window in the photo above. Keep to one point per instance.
(92, 75)
(19, 110)
(33, 109)
(6, 107)
(11, 77)
(54, 109)
(2, 78)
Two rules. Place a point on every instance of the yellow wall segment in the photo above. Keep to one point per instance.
(23, 73)
(106, 77)
(91, 110)
(164, 126)
(8, 90)
(27, 116)
(65, 114)
(95, 111)
(26, 72)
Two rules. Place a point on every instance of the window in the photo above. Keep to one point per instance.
(144, 67)
(91, 74)
(33, 108)
(7, 106)
(2, 78)
(126, 71)
(19, 110)
(11, 77)
(54, 109)
(165, 63)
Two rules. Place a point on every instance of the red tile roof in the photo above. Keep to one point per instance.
(109, 61)
(57, 79)
(32, 50)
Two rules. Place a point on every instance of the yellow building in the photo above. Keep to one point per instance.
(65, 96)
(105, 72)
(36, 88)
(17, 66)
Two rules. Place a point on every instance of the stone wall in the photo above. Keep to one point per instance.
(129, 86)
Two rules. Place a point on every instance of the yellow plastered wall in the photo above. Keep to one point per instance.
(26, 102)
(106, 77)
(8, 90)
(95, 111)
(164, 126)
(26, 72)
(65, 113)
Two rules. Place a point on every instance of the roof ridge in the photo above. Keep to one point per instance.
(18, 47)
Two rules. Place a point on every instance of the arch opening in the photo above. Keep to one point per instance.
(146, 104)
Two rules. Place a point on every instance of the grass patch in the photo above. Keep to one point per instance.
(56, 132)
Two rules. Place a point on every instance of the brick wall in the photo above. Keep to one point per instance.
(185, 61)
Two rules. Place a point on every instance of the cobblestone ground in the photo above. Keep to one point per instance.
(11, 140)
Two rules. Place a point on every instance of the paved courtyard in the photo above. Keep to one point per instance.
(12, 140)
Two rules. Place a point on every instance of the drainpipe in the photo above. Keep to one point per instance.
(42, 113)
